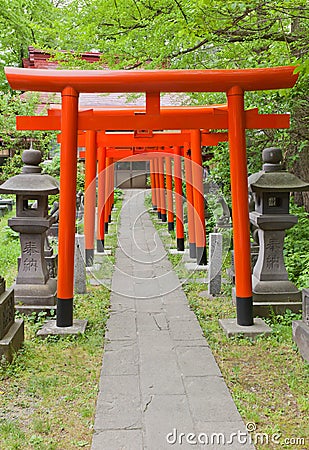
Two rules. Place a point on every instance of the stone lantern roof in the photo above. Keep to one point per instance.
(273, 177)
(31, 181)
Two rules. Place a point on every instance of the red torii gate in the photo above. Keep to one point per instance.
(167, 118)
(233, 82)
(95, 119)
(151, 143)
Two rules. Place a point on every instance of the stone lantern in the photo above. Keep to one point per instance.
(271, 189)
(34, 290)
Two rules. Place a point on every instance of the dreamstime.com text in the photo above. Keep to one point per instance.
(251, 436)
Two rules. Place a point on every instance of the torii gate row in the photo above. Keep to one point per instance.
(162, 196)
(87, 140)
(148, 138)
(215, 116)
(233, 82)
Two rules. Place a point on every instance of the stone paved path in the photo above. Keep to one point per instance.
(159, 378)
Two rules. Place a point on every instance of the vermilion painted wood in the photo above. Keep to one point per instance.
(109, 168)
(169, 190)
(177, 120)
(178, 193)
(124, 110)
(234, 82)
(156, 173)
(153, 184)
(67, 207)
(239, 185)
(158, 142)
(190, 200)
(198, 189)
(151, 81)
(153, 102)
(112, 188)
(162, 186)
(90, 188)
(101, 192)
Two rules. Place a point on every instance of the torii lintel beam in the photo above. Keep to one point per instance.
(151, 80)
(133, 154)
(155, 140)
(212, 120)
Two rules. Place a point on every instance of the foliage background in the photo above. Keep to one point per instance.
(168, 34)
(149, 34)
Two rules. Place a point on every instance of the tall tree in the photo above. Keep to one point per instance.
(24, 23)
(177, 34)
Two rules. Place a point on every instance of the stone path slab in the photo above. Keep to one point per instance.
(160, 386)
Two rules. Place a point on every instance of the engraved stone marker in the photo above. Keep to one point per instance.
(11, 331)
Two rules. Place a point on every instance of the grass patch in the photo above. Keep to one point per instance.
(48, 393)
(9, 249)
(267, 378)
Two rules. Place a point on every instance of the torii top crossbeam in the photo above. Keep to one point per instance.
(233, 82)
(151, 80)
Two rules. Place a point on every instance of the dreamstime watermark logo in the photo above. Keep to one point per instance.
(144, 250)
(249, 437)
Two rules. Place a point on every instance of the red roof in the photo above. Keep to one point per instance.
(39, 59)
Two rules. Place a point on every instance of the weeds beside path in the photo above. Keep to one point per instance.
(48, 394)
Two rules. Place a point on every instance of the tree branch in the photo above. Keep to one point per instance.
(138, 9)
(134, 66)
(189, 49)
(181, 10)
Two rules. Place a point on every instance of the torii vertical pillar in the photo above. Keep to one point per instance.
(162, 188)
(101, 198)
(198, 197)
(190, 202)
(90, 195)
(158, 197)
(67, 207)
(109, 167)
(180, 237)
(153, 185)
(169, 193)
(240, 207)
(112, 190)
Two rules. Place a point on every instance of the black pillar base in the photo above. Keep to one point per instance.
(201, 256)
(164, 217)
(106, 227)
(154, 207)
(89, 254)
(180, 244)
(64, 312)
(244, 309)
(159, 214)
(110, 218)
(192, 250)
(170, 226)
(100, 245)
